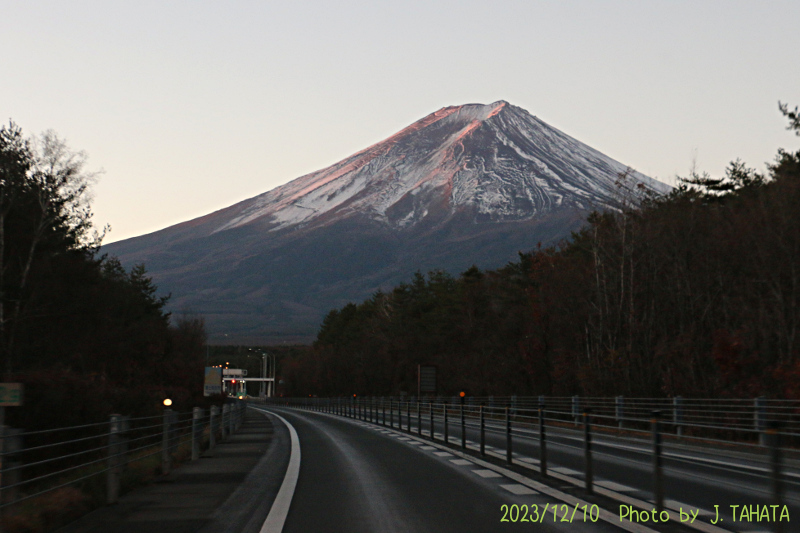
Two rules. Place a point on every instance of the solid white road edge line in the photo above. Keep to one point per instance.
(280, 507)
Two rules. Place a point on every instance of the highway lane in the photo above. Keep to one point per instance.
(692, 477)
(356, 477)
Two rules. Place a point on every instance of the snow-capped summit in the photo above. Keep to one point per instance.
(497, 158)
(470, 184)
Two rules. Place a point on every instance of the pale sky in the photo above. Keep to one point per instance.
(192, 106)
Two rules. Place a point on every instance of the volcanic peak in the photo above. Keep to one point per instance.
(497, 159)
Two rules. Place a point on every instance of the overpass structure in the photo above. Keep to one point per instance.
(234, 380)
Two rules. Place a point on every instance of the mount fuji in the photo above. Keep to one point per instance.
(469, 184)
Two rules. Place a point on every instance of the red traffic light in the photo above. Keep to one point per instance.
(462, 394)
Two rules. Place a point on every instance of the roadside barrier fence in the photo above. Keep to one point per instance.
(35, 463)
(762, 432)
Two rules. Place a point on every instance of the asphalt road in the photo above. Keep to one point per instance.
(357, 477)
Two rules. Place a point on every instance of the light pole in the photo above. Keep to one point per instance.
(263, 370)
(274, 373)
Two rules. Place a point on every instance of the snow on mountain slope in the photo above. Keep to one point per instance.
(497, 158)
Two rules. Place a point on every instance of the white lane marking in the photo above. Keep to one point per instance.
(610, 485)
(519, 490)
(486, 473)
(443, 454)
(566, 471)
(280, 507)
(530, 460)
(461, 462)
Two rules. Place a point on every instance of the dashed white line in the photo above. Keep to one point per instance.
(485, 473)
(566, 471)
(519, 490)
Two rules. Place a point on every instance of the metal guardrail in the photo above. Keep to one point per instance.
(765, 433)
(35, 463)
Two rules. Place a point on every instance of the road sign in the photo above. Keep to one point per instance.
(213, 381)
(10, 394)
(426, 379)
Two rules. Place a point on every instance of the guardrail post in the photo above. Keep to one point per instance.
(508, 436)
(391, 412)
(113, 471)
(173, 441)
(587, 450)
(446, 425)
(212, 427)
(430, 412)
(576, 408)
(658, 474)
(224, 421)
(166, 458)
(677, 414)
(542, 441)
(463, 428)
(483, 430)
(775, 459)
(197, 432)
(408, 414)
(619, 410)
(419, 416)
(760, 406)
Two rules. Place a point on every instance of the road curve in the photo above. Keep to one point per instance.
(356, 477)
